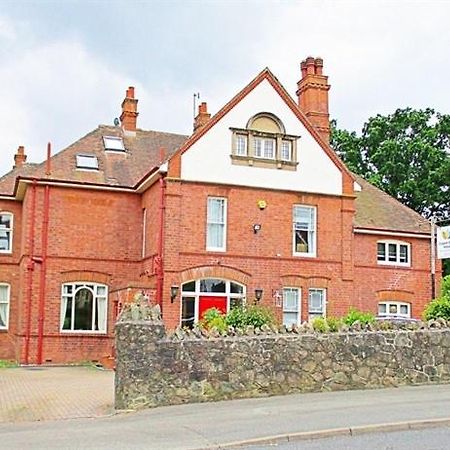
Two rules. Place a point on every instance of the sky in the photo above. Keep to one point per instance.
(65, 65)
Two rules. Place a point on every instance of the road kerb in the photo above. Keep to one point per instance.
(334, 432)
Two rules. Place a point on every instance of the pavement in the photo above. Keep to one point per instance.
(231, 424)
(55, 393)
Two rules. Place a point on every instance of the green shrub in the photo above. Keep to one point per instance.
(213, 318)
(237, 317)
(255, 315)
(334, 324)
(355, 315)
(320, 324)
(439, 307)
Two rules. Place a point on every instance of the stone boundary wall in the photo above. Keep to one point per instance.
(154, 368)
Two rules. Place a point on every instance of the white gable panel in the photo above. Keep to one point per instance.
(209, 159)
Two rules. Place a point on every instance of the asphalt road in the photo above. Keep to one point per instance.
(251, 421)
(427, 439)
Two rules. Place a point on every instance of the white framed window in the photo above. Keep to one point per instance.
(291, 306)
(240, 148)
(4, 305)
(394, 253)
(304, 230)
(113, 143)
(216, 224)
(193, 292)
(264, 148)
(84, 307)
(317, 303)
(286, 151)
(6, 232)
(394, 309)
(89, 162)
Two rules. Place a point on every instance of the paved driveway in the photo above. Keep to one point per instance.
(54, 393)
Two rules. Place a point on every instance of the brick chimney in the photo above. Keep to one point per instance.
(129, 111)
(202, 117)
(20, 157)
(313, 95)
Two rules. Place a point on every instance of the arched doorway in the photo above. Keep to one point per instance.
(197, 296)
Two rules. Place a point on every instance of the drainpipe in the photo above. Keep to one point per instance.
(42, 286)
(30, 269)
(160, 266)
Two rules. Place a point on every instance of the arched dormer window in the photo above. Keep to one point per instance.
(264, 143)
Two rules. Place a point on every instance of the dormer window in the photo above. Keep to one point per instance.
(113, 143)
(87, 162)
(264, 143)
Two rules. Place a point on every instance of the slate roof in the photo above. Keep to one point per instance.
(124, 169)
(374, 208)
(377, 210)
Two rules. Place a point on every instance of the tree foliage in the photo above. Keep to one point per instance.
(406, 154)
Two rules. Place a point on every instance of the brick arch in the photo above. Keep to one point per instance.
(294, 281)
(225, 272)
(395, 295)
(85, 275)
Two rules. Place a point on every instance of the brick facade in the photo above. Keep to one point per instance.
(150, 234)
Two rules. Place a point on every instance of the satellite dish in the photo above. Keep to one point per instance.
(116, 122)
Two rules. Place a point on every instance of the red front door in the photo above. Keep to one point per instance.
(207, 302)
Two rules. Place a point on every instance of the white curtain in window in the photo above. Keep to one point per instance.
(63, 310)
(101, 309)
(4, 304)
(3, 311)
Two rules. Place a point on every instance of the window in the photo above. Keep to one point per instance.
(6, 229)
(286, 152)
(216, 224)
(264, 148)
(87, 162)
(291, 306)
(393, 252)
(264, 143)
(240, 148)
(394, 309)
(84, 307)
(316, 303)
(4, 306)
(194, 295)
(113, 143)
(304, 230)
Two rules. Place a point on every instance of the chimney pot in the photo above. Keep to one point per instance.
(310, 67)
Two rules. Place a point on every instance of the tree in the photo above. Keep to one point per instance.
(406, 154)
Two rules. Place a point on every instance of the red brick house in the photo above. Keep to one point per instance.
(253, 204)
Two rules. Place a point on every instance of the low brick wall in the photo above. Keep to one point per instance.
(155, 369)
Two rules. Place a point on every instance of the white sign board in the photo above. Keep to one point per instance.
(443, 242)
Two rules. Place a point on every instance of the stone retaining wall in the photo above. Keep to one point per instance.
(154, 368)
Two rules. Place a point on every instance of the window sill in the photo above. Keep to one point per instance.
(216, 250)
(263, 162)
(5, 252)
(84, 333)
(304, 255)
(389, 263)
